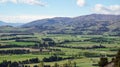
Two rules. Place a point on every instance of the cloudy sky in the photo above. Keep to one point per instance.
(23, 11)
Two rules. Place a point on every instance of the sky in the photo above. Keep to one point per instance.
(24, 11)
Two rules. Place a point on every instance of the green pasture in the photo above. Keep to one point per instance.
(21, 57)
(83, 62)
(73, 41)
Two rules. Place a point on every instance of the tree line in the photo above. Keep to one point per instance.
(33, 60)
(16, 51)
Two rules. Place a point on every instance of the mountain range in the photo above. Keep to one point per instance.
(87, 24)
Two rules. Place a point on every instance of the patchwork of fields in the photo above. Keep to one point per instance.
(85, 50)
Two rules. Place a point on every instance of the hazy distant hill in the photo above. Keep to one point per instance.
(2, 23)
(11, 29)
(11, 24)
(87, 24)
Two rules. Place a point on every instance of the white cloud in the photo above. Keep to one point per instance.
(3, 1)
(22, 18)
(29, 2)
(81, 3)
(113, 9)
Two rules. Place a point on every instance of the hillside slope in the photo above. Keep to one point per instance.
(2, 23)
(87, 24)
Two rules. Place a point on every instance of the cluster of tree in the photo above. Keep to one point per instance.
(52, 58)
(54, 49)
(48, 42)
(101, 39)
(9, 64)
(68, 64)
(92, 47)
(36, 60)
(16, 51)
(47, 39)
(68, 41)
(117, 59)
(55, 58)
(44, 44)
(16, 38)
(27, 40)
(33, 60)
(19, 64)
(12, 45)
(104, 61)
(90, 54)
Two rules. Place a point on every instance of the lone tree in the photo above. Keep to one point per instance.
(74, 64)
(103, 61)
(56, 65)
(41, 64)
(117, 59)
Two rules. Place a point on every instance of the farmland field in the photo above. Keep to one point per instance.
(85, 50)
